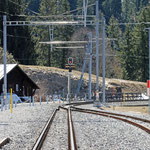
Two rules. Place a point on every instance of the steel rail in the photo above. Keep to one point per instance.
(105, 114)
(4, 142)
(78, 103)
(71, 133)
(111, 113)
(43, 134)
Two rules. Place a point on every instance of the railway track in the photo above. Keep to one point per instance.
(120, 117)
(71, 132)
(44, 132)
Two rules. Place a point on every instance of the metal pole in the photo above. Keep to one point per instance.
(85, 4)
(85, 97)
(51, 39)
(149, 72)
(33, 101)
(51, 36)
(47, 98)
(40, 100)
(30, 101)
(15, 103)
(90, 63)
(2, 104)
(84, 13)
(63, 95)
(69, 85)
(83, 70)
(5, 58)
(97, 47)
(103, 26)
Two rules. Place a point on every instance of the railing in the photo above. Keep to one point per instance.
(121, 96)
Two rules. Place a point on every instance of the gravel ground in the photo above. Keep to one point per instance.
(57, 137)
(132, 103)
(137, 114)
(25, 125)
(93, 132)
(97, 132)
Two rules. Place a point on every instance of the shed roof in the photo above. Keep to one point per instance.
(9, 68)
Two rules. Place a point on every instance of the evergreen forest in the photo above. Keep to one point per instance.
(127, 23)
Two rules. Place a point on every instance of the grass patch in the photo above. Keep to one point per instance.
(142, 109)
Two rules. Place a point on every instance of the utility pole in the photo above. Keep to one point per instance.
(90, 63)
(149, 67)
(70, 66)
(103, 30)
(51, 45)
(85, 4)
(69, 85)
(5, 58)
(83, 68)
(149, 70)
(97, 48)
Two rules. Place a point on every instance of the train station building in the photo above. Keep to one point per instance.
(18, 80)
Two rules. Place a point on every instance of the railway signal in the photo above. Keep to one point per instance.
(70, 61)
(70, 66)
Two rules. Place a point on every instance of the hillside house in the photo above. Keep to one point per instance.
(18, 80)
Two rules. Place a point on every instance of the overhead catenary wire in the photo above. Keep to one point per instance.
(70, 47)
(55, 16)
(7, 13)
(76, 9)
(59, 15)
(22, 6)
(130, 23)
(111, 24)
(107, 55)
(10, 35)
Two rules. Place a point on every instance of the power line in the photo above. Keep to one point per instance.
(76, 9)
(16, 36)
(64, 14)
(57, 16)
(6, 13)
(22, 6)
(130, 56)
(70, 47)
(14, 15)
(130, 23)
(107, 55)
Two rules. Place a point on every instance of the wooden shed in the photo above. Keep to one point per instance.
(18, 80)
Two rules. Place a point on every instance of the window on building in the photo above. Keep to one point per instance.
(17, 87)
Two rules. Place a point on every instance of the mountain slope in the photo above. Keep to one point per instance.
(51, 80)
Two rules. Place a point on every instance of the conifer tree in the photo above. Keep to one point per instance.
(141, 46)
(131, 8)
(112, 7)
(61, 32)
(127, 54)
(134, 49)
(113, 68)
(18, 38)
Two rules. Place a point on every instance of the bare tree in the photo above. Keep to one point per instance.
(10, 58)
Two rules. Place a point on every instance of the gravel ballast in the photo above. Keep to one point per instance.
(97, 132)
(93, 132)
(57, 137)
(25, 124)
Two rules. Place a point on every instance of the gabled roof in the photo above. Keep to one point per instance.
(9, 68)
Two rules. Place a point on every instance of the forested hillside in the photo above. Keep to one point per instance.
(126, 55)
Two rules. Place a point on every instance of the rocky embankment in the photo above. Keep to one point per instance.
(51, 80)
